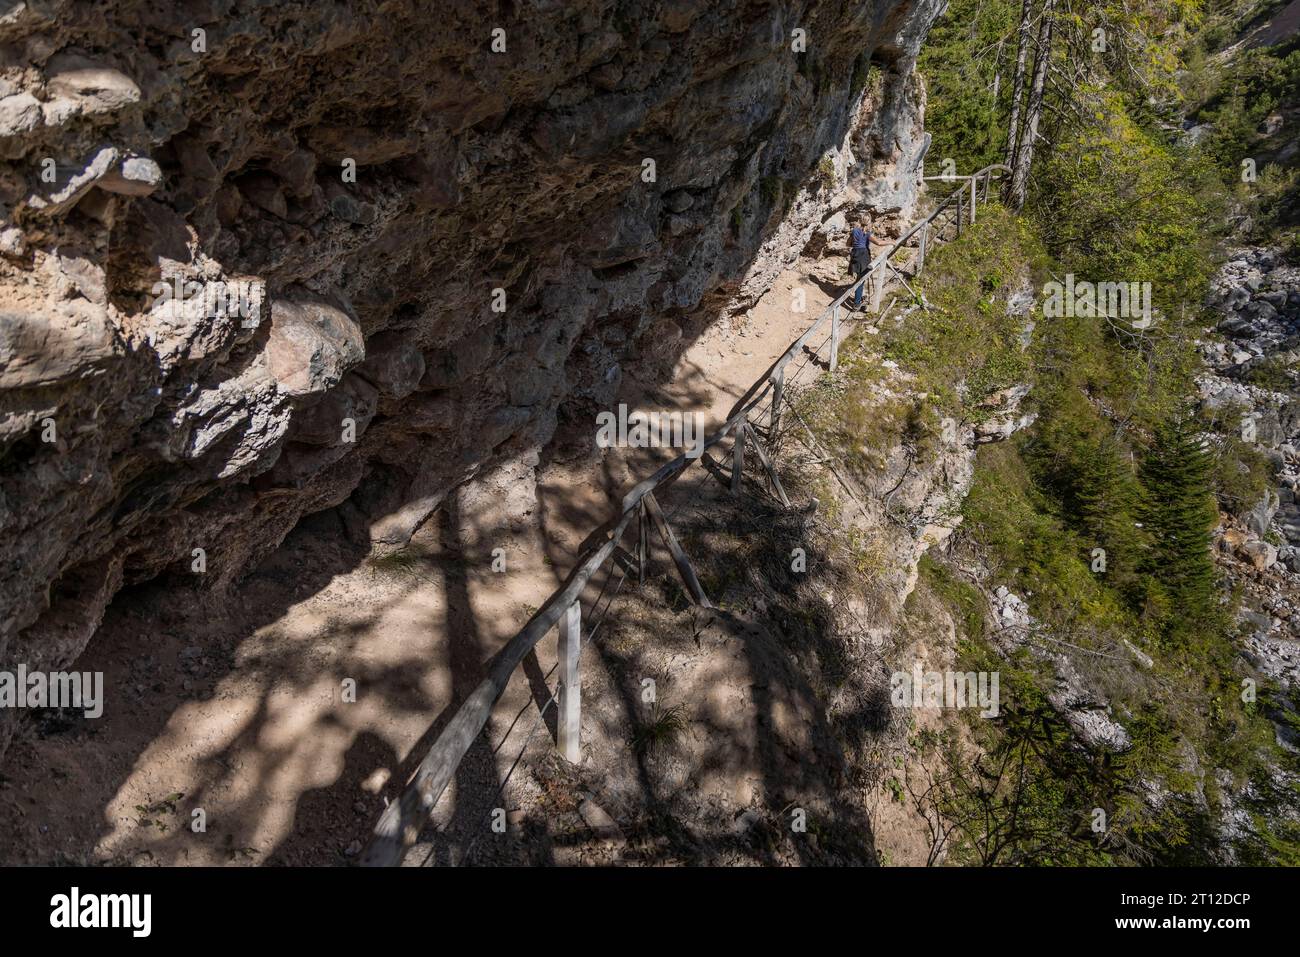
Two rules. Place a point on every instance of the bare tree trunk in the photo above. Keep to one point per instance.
(1033, 112)
(997, 72)
(1018, 82)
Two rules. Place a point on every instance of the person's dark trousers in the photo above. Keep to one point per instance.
(860, 266)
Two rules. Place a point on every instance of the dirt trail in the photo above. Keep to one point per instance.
(243, 717)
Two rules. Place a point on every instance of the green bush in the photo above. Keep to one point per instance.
(965, 345)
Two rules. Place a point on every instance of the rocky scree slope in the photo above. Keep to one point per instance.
(206, 144)
(1252, 383)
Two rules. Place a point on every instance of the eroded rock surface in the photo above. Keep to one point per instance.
(1253, 383)
(209, 327)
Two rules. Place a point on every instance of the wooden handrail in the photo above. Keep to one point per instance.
(401, 822)
(880, 260)
(947, 202)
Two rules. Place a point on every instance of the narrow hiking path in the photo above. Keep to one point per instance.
(242, 715)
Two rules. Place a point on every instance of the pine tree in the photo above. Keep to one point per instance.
(1180, 515)
(1108, 499)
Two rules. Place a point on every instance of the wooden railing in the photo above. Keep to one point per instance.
(954, 206)
(401, 822)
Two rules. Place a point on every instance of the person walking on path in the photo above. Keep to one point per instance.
(860, 242)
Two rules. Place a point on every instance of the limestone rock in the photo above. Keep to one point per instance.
(324, 423)
(71, 183)
(79, 85)
(65, 342)
(19, 113)
(138, 176)
(1260, 554)
(311, 345)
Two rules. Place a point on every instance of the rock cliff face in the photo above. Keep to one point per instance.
(1252, 382)
(1252, 374)
(265, 260)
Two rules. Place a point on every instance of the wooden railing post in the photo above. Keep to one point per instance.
(961, 194)
(642, 543)
(973, 199)
(920, 255)
(737, 460)
(689, 578)
(569, 723)
(767, 465)
(835, 338)
(778, 388)
(878, 290)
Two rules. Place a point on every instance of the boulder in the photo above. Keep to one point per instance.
(72, 182)
(311, 345)
(1260, 554)
(1260, 517)
(79, 85)
(137, 176)
(63, 343)
(19, 114)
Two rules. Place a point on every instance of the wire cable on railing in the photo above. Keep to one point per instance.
(554, 697)
(594, 606)
(552, 700)
(541, 712)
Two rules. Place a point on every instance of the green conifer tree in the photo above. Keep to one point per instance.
(1179, 515)
(1108, 499)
